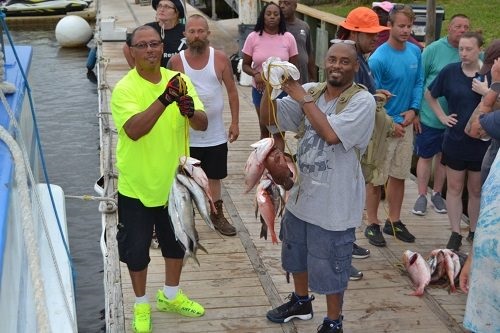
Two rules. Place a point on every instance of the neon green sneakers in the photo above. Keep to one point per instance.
(181, 305)
(142, 318)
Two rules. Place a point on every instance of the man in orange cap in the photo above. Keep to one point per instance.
(362, 27)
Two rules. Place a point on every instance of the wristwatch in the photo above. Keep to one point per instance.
(306, 99)
(495, 86)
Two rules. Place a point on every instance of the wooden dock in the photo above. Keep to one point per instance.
(241, 277)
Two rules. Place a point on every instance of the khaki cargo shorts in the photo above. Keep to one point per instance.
(398, 160)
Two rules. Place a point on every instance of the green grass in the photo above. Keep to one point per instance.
(483, 13)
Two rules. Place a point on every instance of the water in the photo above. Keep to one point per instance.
(66, 104)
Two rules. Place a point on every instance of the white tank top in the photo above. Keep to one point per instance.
(209, 90)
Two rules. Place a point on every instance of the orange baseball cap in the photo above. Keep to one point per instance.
(363, 19)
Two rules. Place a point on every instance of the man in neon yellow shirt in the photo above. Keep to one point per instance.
(150, 105)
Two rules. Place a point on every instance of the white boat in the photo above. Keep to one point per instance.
(43, 7)
(36, 276)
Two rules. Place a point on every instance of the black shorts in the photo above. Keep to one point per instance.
(460, 165)
(213, 160)
(135, 230)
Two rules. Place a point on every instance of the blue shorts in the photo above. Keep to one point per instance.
(257, 96)
(325, 255)
(135, 230)
(429, 142)
(460, 165)
(213, 160)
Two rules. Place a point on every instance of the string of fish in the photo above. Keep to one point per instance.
(269, 85)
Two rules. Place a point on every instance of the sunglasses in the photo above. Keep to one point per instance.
(343, 41)
(144, 45)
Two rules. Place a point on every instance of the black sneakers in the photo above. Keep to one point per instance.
(358, 252)
(375, 237)
(470, 236)
(354, 274)
(399, 230)
(294, 308)
(454, 242)
(331, 327)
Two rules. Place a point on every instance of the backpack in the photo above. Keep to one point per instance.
(373, 159)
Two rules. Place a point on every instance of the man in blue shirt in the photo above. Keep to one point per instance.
(397, 67)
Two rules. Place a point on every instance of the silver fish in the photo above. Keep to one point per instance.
(198, 196)
(174, 210)
(432, 261)
(183, 206)
(192, 167)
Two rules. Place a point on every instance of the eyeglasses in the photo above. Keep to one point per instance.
(343, 41)
(160, 6)
(144, 45)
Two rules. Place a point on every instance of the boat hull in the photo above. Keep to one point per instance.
(32, 280)
(44, 8)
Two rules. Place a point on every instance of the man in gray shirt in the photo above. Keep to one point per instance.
(326, 204)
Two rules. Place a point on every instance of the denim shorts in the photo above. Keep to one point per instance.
(257, 96)
(429, 142)
(324, 254)
(135, 231)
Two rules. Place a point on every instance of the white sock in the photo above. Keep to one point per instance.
(434, 192)
(170, 292)
(141, 300)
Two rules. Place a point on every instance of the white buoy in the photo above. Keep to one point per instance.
(73, 31)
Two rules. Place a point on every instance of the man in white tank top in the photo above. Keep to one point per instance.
(208, 69)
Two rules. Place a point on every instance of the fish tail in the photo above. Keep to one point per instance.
(263, 229)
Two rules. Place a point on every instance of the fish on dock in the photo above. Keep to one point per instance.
(418, 270)
(448, 266)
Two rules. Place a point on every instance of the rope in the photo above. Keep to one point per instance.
(111, 203)
(39, 145)
(30, 239)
